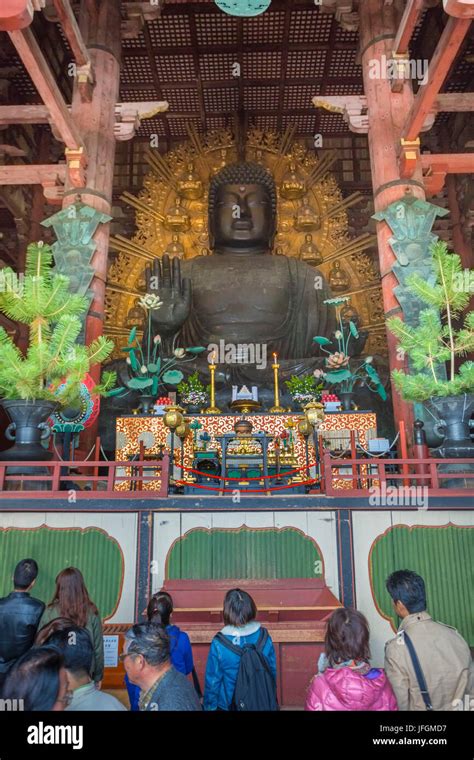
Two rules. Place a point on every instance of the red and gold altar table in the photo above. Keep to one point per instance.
(151, 431)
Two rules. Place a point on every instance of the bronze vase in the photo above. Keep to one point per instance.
(347, 398)
(454, 414)
(146, 404)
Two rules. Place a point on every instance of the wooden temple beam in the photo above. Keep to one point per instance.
(17, 14)
(459, 8)
(439, 66)
(71, 30)
(437, 165)
(128, 115)
(461, 102)
(451, 163)
(246, 82)
(40, 73)
(32, 174)
(408, 21)
(24, 115)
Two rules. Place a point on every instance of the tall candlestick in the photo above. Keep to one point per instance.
(276, 409)
(213, 409)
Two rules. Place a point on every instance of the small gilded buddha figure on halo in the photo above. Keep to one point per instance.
(306, 217)
(309, 251)
(338, 278)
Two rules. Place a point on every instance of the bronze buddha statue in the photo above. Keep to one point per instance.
(241, 293)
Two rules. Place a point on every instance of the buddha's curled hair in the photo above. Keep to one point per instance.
(243, 173)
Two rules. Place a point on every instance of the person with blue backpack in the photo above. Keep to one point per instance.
(241, 666)
(159, 610)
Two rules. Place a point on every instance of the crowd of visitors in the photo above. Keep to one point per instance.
(51, 657)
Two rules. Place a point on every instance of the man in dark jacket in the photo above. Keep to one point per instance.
(19, 616)
(147, 661)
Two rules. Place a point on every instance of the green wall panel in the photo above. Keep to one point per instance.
(97, 555)
(244, 553)
(443, 556)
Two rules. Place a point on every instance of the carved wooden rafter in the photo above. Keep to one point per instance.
(354, 110)
(344, 11)
(352, 107)
(137, 14)
(129, 115)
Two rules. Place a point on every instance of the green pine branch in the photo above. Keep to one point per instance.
(54, 366)
(436, 340)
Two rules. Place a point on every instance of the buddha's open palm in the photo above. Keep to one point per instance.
(163, 278)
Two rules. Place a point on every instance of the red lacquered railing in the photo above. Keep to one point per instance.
(89, 480)
(372, 477)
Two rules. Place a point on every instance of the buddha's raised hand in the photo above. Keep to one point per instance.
(163, 278)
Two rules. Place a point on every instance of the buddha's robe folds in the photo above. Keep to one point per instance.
(272, 300)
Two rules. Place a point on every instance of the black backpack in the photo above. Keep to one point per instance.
(255, 687)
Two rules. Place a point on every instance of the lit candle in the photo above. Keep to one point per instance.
(276, 408)
(212, 409)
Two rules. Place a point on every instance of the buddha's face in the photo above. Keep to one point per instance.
(243, 220)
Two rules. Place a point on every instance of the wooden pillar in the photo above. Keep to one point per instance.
(95, 121)
(387, 112)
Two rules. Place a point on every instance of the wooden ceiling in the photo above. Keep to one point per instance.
(188, 57)
(286, 56)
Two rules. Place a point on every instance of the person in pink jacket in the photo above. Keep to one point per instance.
(345, 680)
